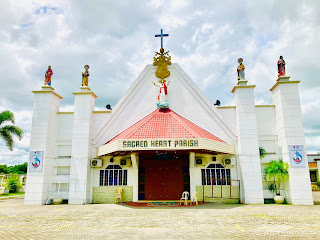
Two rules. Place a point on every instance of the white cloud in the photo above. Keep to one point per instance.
(17, 156)
(116, 38)
(156, 3)
(67, 108)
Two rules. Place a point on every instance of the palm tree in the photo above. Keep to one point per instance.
(6, 131)
(276, 172)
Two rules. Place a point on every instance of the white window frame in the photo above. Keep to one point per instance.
(209, 170)
(111, 169)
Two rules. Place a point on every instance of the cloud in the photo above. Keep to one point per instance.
(17, 156)
(116, 38)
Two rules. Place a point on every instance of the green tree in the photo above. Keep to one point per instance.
(276, 172)
(6, 131)
(19, 168)
(4, 169)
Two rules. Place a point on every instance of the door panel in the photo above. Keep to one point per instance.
(163, 179)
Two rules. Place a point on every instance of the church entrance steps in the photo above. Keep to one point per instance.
(160, 201)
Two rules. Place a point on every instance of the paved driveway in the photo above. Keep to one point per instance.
(109, 221)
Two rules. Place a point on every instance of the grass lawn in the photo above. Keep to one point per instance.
(11, 194)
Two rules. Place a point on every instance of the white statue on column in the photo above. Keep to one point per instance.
(240, 70)
(162, 96)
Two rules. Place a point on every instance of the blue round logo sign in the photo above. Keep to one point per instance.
(36, 162)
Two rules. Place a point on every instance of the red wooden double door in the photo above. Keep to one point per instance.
(163, 180)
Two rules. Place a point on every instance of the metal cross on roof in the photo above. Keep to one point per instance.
(161, 35)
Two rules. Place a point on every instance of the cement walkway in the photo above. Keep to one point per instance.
(109, 221)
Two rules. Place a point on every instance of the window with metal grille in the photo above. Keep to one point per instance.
(113, 175)
(215, 174)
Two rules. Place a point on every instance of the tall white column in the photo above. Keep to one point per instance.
(43, 138)
(248, 144)
(192, 173)
(79, 188)
(318, 173)
(135, 177)
(285, 96)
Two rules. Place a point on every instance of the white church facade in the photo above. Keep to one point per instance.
(156, 149)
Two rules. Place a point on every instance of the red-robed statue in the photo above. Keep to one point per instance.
(281, 67)
(47, 76)
(162, 96)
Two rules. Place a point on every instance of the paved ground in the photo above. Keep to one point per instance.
(109, 221)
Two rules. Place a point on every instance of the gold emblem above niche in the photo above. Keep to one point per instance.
(162, 60)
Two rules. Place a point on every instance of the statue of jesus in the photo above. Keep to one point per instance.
(162, 96)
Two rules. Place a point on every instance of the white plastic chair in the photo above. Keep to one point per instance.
(195, 198)
(118, 195)
(185, 196)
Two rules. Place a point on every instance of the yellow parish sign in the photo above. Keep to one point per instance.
(164, 144)
(159, 143)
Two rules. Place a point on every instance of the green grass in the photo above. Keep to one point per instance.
(11, 194)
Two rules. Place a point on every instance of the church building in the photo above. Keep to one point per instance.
(164, 137)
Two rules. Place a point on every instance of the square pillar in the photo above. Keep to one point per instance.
(192, 173)
(43, 138)
(285, 97)
(248, 144)
(135, 177)
(79, 187)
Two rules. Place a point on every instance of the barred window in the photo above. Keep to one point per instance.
(113, 175)
(217, 174)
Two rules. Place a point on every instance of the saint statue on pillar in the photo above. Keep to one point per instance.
(162, 96)
(240, 70)
(85, 76)
(281, 67)
(47, 76)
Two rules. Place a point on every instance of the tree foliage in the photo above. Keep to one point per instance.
(13, 183)
(7, 131)
(19, 168)
(4, 169)
(276, 173)
(16, 169)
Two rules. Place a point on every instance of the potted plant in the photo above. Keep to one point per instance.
(276, 173)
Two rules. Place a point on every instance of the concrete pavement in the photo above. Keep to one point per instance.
(109, 221)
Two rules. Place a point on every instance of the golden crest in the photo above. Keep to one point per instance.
(162, 60)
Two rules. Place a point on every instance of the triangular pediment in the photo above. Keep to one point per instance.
(184, 97)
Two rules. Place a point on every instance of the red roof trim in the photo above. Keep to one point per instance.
(164, 123)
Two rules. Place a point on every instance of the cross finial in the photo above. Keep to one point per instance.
(161, 35)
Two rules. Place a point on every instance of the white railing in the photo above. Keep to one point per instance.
(58, 193)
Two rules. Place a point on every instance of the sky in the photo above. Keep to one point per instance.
(116, 39)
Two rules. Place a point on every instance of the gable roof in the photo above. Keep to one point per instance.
(185, 98)
(164, 123)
